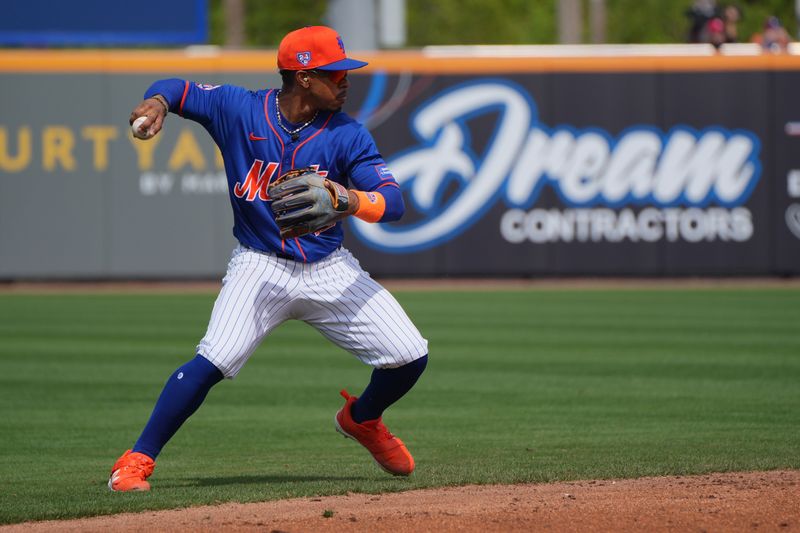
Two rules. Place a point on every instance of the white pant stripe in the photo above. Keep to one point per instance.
(275, 308)
(221, 316)
(245, 315)
(389, 325)
(361, 295)
(399, 324)
(349, 320)
(235, 319)
(384, 326)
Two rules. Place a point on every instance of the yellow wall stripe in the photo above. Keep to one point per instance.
(169, 61)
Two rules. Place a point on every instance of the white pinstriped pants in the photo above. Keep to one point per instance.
(261, 291)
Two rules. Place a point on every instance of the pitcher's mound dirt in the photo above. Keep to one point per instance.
(760, 501)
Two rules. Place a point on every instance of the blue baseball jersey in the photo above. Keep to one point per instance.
(256, 150)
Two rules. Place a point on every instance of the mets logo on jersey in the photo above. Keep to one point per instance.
(256, 183)
(304, 58)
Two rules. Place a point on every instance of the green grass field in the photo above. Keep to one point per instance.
(522, 386)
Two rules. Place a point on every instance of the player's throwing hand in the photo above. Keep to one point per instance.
(154, 110)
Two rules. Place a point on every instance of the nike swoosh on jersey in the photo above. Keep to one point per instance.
(254, 137)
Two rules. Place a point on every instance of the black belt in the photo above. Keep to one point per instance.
(282, 255)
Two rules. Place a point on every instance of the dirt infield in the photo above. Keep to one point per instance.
(755, 501)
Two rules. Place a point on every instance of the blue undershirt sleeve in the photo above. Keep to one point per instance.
(395, 207)
(171, 89)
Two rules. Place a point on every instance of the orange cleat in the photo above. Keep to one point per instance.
(388, 451)
(130, 472)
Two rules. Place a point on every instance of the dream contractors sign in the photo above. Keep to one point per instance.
(601, 180)
(604, 174)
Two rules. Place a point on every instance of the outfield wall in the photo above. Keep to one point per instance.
(511, 166)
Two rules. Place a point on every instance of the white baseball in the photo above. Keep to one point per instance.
(140, 134)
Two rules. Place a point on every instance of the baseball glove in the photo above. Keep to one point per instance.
(305, 202)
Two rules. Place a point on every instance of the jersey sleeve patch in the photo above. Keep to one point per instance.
(383, 172)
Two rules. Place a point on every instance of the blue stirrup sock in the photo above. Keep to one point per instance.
(183, 393)
(386, 386)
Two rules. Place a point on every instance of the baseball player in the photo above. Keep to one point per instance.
(296, 167)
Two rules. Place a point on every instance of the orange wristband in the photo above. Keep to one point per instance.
(371, 206)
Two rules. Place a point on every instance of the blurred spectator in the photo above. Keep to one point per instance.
(701, 12)
(774, 38)
(720, 28)
(715, 32)
(731, 16)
